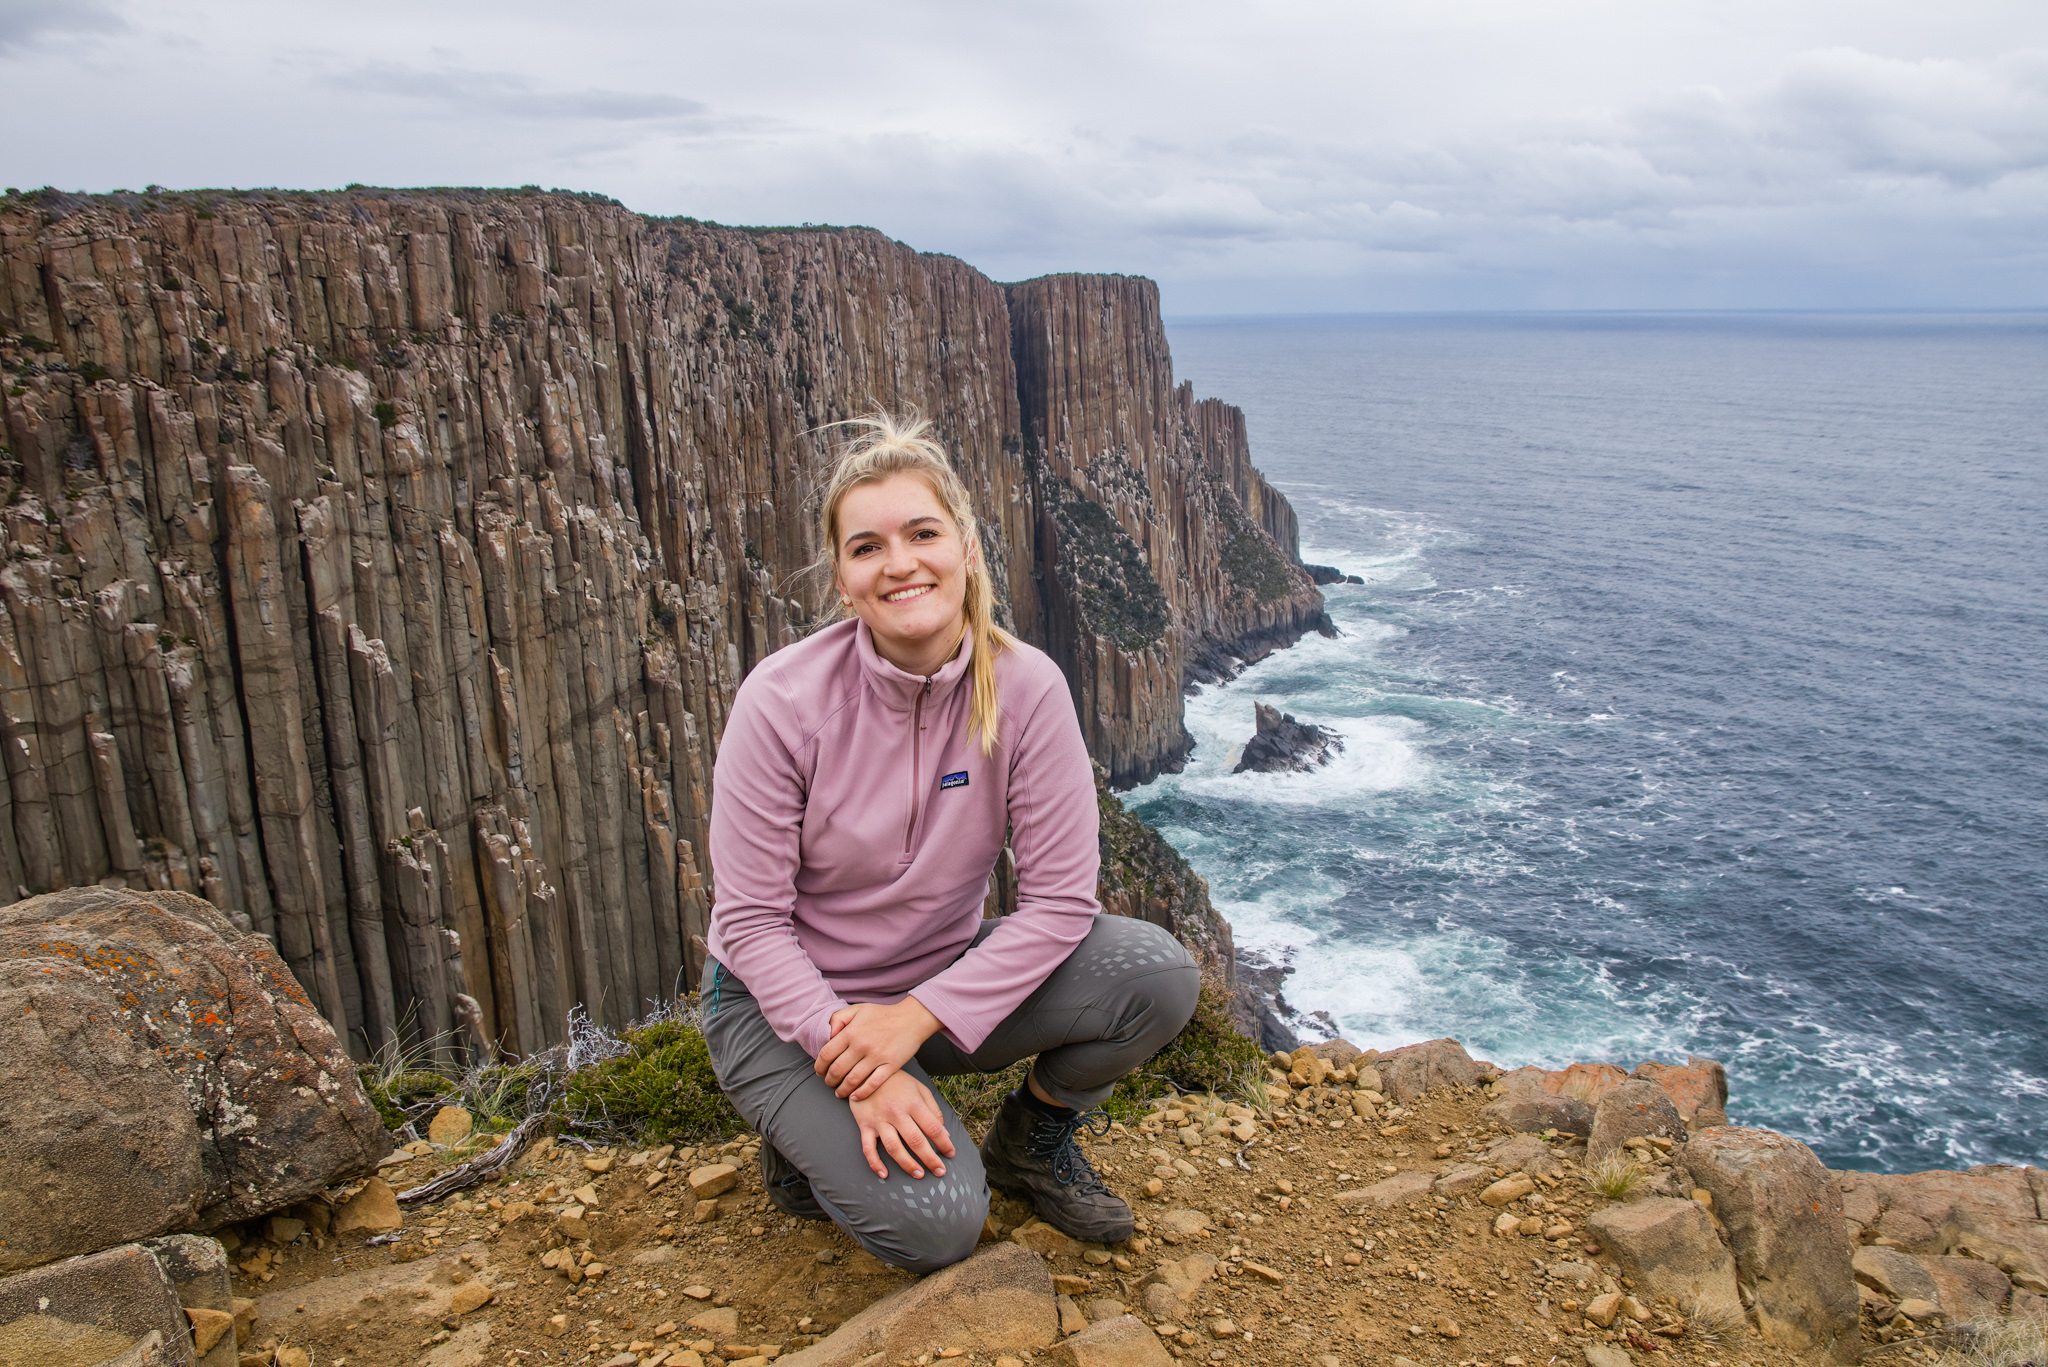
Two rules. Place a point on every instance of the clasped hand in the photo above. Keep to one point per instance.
(870, 1041)
(864, 1063)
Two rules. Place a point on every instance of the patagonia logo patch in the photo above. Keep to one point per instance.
(958, 780)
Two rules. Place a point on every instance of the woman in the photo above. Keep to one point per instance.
(864, 785)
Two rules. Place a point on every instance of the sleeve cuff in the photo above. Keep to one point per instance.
(960, 1026)
(816, 1032)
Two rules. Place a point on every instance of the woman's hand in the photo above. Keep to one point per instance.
(904, 1118)
(870, 1042)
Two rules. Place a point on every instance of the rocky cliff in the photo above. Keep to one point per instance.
(379, 565)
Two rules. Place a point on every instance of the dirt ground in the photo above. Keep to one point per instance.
(1428, 1280)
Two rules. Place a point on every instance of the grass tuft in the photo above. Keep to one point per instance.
(1714, 1324)
(1999, 1343)
(1614, 1176)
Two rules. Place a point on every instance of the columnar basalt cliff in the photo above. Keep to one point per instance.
(380, 565)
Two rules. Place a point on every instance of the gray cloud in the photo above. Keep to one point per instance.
(23, 22)
(1410, 153)
(505, 94)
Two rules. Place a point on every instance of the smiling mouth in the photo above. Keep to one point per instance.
(905, 595)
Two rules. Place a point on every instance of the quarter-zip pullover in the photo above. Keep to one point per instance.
(855, 822)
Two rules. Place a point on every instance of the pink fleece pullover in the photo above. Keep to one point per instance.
(854, 825)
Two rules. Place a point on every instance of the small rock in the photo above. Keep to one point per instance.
(697, 1293)
(450, 1126)
(599, 1164)
(1068, 1285)
(469, 1296)
(1102, 1308)
(1508, 1189)
(291, 1355)
(1040, 1237)
(1222, 1329)
(1602, 1309)
(556, 1326)
(1120, 1342)
(1461, 1181)
(1607, 1355)
(1072, 1321)
(1177, 1225)
(1914, 1308)
(1263, 1272)
(1506, 1223)
(707, 1211)
(282, 1229)
(713, 1179)
(1448, 1328)
(374, 1209)
(208, 1327)
(721, 1323)
(1395, 1190)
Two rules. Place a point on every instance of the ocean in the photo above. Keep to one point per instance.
(1695, 701)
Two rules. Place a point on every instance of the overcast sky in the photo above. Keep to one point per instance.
(1253, 157)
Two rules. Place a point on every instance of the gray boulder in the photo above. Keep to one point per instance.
(1633, 1109)
(159, 1070)
(1784, 1220)
(1899, 1275)
(1669, 1248)
(1406, 1073)
(999, 1300)
(1967, 1290)
(96, 1309)
(1535, 1112)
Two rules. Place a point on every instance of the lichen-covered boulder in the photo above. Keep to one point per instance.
(159, 1070)
(1784, 1220)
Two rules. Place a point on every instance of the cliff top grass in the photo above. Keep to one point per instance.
(652, 1083)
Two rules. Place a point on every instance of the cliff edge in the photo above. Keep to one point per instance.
(380, 564)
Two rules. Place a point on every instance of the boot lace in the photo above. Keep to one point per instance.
(1053, 1140)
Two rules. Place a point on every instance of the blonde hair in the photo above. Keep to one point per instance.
(883, 446)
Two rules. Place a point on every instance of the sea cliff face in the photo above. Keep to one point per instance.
(380, 565)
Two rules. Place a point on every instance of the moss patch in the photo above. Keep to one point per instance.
(405, 1095)
(1209, 1055)
(661, 1090)
(1105, 572)
(1251, 559)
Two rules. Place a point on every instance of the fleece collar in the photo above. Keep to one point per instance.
(899, 690)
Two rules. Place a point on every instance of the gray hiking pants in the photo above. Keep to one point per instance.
(1124, 992)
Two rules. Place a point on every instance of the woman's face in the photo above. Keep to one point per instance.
(903, 569)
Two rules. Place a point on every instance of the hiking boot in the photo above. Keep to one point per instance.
(1030, 1153)
(787, 1187)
